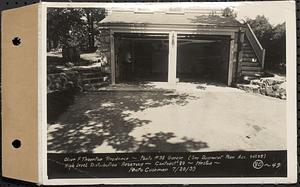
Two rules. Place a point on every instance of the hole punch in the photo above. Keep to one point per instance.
(16, 143)
(16, 41)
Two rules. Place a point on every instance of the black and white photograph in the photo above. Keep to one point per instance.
(170, 78)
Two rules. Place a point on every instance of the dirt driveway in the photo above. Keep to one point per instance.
(193, 118)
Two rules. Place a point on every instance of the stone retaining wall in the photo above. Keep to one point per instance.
(270, 86)
(63, 81)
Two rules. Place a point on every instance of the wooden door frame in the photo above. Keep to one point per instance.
(172, 58)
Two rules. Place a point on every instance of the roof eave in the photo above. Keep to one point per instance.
(151, 25)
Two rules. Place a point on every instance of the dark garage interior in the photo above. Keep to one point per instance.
(203, 58)
(144, 57)
(141, 57)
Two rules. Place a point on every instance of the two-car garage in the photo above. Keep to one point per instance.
(174, 46)
(144, 57)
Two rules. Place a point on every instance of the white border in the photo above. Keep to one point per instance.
(291, 61)
(290, 17)
(42, 87)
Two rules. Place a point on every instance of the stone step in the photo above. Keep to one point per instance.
(93, 80)
(247, 79)
(89, 70)
(256, 82)
(255, 64)
(251, 68)
(95, 86)
(252, 73)
(91, 75)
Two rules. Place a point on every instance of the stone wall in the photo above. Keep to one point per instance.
(271, 86)
(63, 81)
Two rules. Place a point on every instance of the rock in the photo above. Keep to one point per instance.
(69, 64)
(250, 88)
(273, 87)
(282, 86)
(256, 82)
(282, 91)
(271, 81)
(269, 90)
(87, 87)
(282, 96)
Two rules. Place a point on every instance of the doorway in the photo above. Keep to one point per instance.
(203, 58)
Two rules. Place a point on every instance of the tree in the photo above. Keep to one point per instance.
(272, 39)
(229, 12)
(65, 26)
(262, 29)
(93, 15)
(72, 27)
(278, 46)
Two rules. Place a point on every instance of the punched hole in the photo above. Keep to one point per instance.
(16, 143)
(16, 41)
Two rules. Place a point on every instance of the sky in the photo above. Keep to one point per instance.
(275, 11)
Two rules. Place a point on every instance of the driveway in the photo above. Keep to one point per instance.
(194, 118)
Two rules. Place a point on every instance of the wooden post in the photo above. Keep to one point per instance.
(172, 58)
(112, 59)
(240, 55)
(231, 59)
(263, 59)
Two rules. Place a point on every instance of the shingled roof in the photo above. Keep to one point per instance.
(188, 19)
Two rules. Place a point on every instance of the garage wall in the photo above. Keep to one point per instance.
(103, 46)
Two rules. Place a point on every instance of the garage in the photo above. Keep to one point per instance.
(202, 58)
(181, 46)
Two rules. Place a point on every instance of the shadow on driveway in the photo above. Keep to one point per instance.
(103, 119)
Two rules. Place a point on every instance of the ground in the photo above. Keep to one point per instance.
(196, 117)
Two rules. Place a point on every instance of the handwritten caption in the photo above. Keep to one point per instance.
(161, 163)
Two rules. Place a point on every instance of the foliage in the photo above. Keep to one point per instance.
(71, 27)
(272, 38)
(229, 12)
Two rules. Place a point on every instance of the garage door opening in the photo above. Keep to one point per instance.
(141, 57)
(203, 58)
